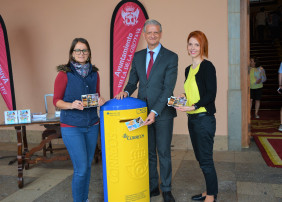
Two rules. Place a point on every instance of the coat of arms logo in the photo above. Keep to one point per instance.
(130, 16)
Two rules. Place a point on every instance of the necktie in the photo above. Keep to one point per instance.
(151, 62)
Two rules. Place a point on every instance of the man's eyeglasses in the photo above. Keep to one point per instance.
(79, 51)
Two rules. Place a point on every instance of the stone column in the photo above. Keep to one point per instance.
(234, 86)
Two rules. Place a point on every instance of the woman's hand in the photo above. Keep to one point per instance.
(258, 81)
(101, 101)
(77, 104)
(182, 95)
(185, 108)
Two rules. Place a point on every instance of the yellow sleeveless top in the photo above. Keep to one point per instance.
(255, 74)
(192, 91)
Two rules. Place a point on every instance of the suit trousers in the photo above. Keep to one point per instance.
(202, 130)
(159, 140)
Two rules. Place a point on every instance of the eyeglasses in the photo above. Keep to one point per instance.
(78, 51)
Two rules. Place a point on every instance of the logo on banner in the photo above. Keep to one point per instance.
(130, 16)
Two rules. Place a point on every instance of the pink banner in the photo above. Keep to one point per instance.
(5, 83)
(127, 28)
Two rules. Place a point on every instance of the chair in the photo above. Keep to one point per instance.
(50, 129)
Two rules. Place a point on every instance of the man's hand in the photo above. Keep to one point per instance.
(150, 119)
(121, 95)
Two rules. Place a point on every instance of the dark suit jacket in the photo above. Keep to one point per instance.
(160, 84)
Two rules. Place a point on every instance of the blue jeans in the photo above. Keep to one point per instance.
(81, 144)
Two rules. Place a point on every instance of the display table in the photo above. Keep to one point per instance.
(24, 154)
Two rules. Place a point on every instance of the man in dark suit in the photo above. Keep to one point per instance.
(155, 68)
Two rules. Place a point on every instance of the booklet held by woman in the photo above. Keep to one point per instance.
(176, 101)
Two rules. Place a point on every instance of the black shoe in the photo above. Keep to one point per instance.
(154, 192)
(168, 197)
(200, 197)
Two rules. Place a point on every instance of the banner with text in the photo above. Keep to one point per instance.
(6, 76)
(126, 27)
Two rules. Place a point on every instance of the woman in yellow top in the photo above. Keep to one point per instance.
(200, 90)
(257, 77)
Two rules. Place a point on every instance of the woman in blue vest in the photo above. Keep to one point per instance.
(79, 125)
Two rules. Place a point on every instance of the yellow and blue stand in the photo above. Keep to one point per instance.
(124, 152)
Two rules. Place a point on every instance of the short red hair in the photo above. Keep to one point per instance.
(203, 41)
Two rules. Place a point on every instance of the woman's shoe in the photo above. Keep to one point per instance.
(198, 197)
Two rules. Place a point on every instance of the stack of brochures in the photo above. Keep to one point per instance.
(39, 116)
(17, 116)
(11, 117)
(57, 113)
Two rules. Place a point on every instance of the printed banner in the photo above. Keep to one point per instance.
(126, 27)
(6, 76)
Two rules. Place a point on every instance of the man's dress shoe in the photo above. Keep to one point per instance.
(168, 197)
(154, 192)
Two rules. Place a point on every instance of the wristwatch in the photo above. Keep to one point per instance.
(195, 107)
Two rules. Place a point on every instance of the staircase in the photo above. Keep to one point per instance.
(270, 57)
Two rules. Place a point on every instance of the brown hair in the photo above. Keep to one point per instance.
(74, 42)
(256, 61)
(203, 41)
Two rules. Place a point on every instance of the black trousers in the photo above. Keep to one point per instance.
(202, 130)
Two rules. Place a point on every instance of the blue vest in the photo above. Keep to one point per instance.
(77, 86)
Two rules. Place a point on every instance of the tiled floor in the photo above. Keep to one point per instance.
(243, 176)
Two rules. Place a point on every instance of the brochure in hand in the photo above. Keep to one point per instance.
(176, 102)
(90, 100)
(134, 124)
